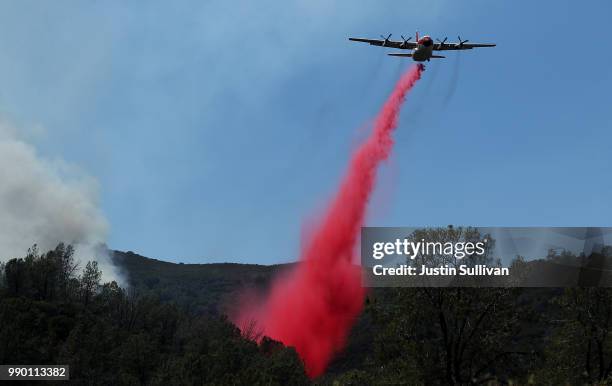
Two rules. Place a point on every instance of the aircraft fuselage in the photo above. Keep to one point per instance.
(424, 49)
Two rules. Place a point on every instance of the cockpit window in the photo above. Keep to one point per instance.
(427, 42)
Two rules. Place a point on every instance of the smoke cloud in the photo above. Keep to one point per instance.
(314, 307)
(46, 202)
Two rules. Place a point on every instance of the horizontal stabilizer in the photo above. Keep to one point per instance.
(438, 56)
(405, 55)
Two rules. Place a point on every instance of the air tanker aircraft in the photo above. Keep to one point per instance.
(423, 48)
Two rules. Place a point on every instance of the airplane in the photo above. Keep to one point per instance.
(423, 48)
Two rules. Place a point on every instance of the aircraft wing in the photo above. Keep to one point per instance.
(386, 43)
(460, 46)
(411, 55)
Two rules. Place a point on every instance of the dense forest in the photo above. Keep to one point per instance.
(169, 327)
(109, 335)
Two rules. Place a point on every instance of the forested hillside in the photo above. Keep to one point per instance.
(199, 288)
(169, 327)
(49, 314)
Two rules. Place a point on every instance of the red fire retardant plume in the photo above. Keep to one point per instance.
(314, 307)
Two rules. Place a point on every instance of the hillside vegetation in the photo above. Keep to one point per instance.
(169, 327)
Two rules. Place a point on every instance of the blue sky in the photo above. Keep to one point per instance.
(215, 129)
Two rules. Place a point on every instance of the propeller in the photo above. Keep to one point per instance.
(441, 42)
(386, 39)
(461, 42)
(405, 41)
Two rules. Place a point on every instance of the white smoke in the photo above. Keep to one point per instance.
(46, 202)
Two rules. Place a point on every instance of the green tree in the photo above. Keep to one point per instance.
(580, 350)
(90, 281)
(16, 277)
(451, 335)
(2, 277)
